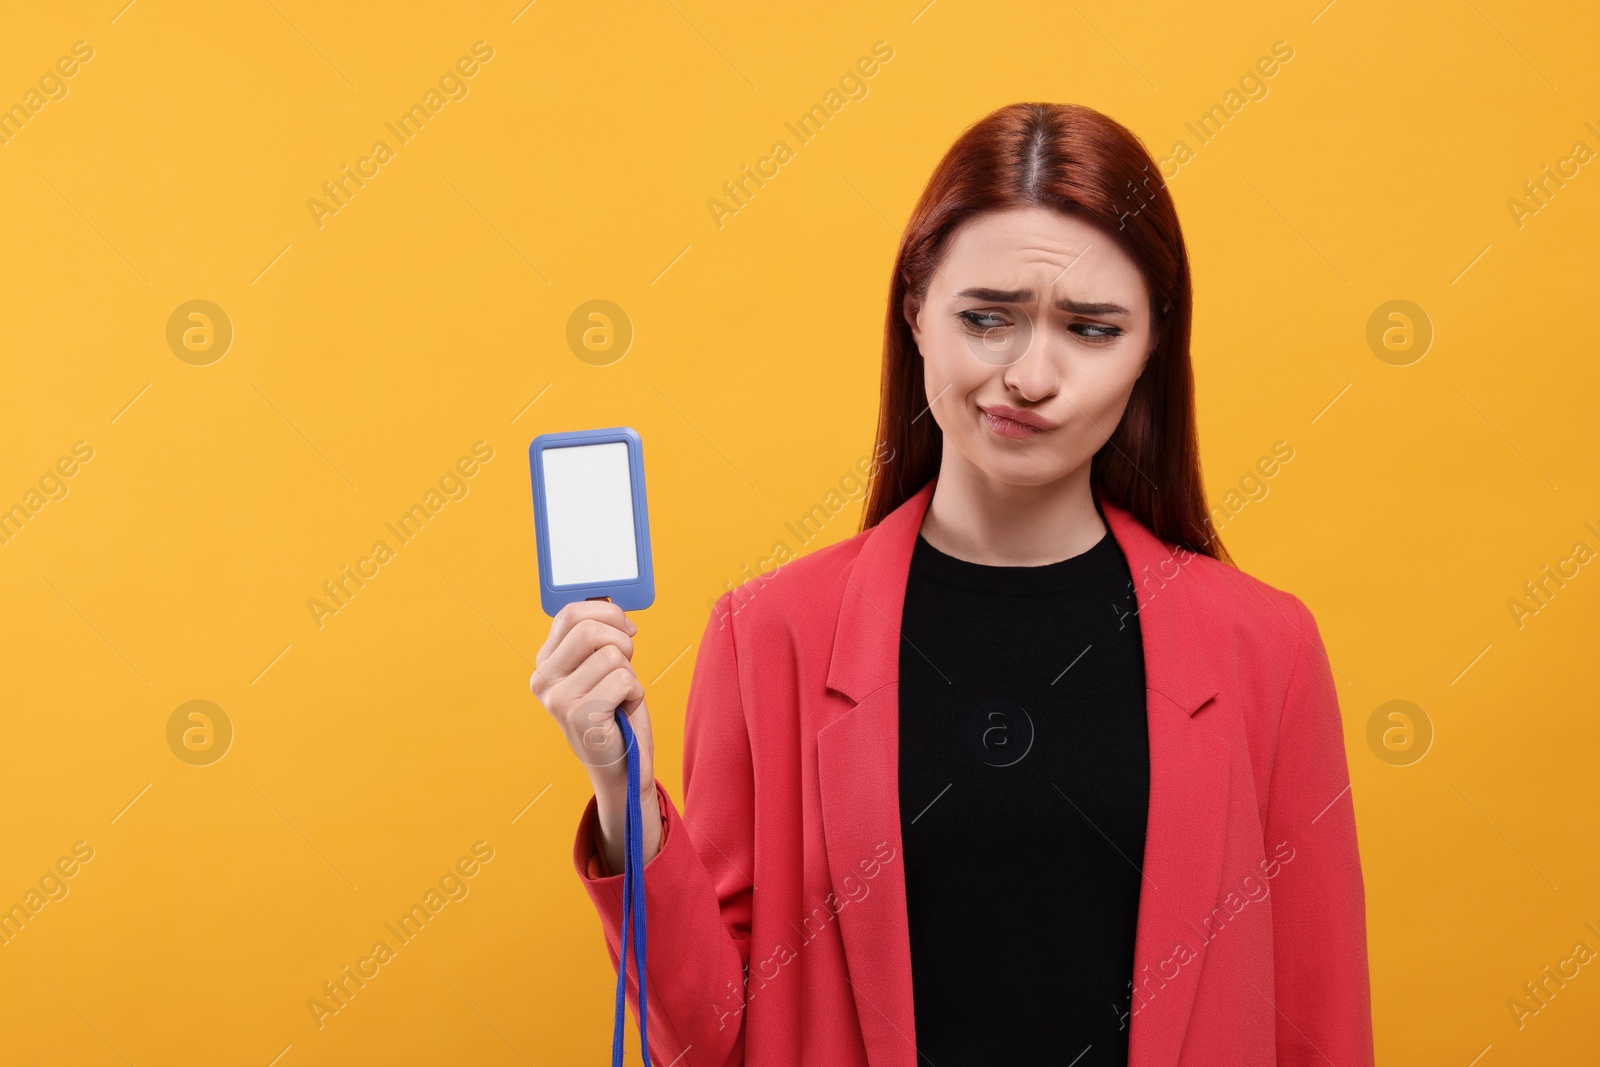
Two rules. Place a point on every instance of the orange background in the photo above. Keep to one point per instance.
(372, 347)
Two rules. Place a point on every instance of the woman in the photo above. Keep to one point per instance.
(1025, 771)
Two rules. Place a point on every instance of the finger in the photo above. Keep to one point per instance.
(601, 662)
(548, 677)
(633, 702)
(617, 687)
(598, 740)
(581, 641)
(577, 611)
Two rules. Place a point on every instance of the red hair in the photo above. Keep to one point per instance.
(1074, 159)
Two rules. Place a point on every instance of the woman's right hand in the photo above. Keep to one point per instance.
(582, 675)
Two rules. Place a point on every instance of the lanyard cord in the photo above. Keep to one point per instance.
(632, 903)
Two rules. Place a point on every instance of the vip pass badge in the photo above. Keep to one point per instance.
(593, 534)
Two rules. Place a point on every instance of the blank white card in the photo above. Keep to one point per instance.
(589, 514)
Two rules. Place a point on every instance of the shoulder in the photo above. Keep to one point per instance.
(1234, 592)
(801, 594)
(1258, 644)
(1240, 616)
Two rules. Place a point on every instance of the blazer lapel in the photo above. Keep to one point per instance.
(1186, 828)
(858, 780)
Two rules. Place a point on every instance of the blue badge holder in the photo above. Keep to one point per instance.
(593, 506)
(593, 534)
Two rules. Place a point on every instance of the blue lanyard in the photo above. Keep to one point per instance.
(632, 903)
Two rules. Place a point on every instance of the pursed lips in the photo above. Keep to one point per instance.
(1012, 422)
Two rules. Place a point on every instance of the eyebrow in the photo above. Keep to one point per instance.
(1023, 296)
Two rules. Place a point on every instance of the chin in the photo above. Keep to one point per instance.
(1013, 467)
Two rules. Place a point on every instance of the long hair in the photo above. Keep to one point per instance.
(1073, 159)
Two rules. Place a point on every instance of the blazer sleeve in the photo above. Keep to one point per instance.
(1321, 991)
(698, 886)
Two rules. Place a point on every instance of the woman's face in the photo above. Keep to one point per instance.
(1033, 331)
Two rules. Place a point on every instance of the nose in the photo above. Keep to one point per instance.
(1032, 377)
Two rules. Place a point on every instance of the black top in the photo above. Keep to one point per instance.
(1024, 769)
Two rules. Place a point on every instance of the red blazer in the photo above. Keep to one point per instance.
(777, 911)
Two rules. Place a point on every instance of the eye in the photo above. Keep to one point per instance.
(982, 320)
(1096, 332)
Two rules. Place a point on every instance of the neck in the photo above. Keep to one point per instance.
(974, 517)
